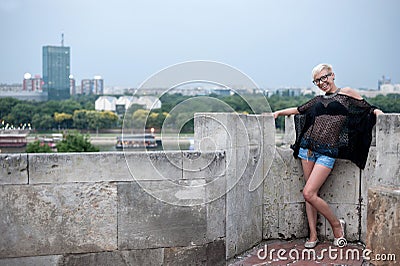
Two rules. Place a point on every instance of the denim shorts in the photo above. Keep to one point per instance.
(316, 157)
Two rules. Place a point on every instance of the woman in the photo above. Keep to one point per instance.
(335, 125)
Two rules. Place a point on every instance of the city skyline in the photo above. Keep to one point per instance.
(274, 43)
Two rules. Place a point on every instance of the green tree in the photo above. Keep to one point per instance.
(42, 121)
(80, 120)
(76, 142)
(139, 118)
(108, 119)
(6, 104)
(38, 147)
(22, 113)
(63, 120)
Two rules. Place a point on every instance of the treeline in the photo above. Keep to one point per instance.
(176, 112)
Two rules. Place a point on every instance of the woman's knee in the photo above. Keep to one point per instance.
(309, 195)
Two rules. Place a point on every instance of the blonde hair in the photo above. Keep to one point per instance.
(318, 68)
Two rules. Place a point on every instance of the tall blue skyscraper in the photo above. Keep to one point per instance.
(56, 71)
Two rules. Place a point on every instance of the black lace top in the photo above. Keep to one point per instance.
(335, 125)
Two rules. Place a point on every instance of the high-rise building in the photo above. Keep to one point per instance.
(32, 83)
(93, 86)
(56, 71)
(72, 86)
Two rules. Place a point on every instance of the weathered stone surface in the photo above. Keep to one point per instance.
(95, 259)
(292, 221)
(383, 228)
(77, 167)
(387, 170)
(209, 167)
(282, 195)
(367, 180)
(241, 137)
(241, 234)
(47, 219)
(290, 132)
(33, 261)
(343, 184)
(146, 222)
(158, 165)
(210, 254)
(13, 169)
(151, 257)
(283, 198)
(110, 166)
(348, 212)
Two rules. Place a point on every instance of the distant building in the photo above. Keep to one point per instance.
(72, 85)
(150, 102)
(384, 80)
(120, 105)
(92, 86)
(123, 103)
(56, 72)
(291, 92)
(390, 88)
(105, 103)
(86, 86)
(98, 85)
(32, 83)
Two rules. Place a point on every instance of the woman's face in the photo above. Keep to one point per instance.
(325, 80)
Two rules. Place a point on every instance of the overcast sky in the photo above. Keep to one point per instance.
(275, 42)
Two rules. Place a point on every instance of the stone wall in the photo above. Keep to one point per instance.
(111, 209)
(346, 189)
(178, 208)
(383, 234)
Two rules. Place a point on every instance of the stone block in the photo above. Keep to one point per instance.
(202, 165)
(156, 165)
(368, 179)
(342, 184)
(209, 254)
(292, 221)
(383, 223)
(97, 167)
(151, 257)
(33, 261)
(214, 131)
(144, 221)
(209, 167)
(274, 194)
(387, 170)
(69, 218)
(290, 131)
(241, 234)
(348, 212)
(249, 131)
(13, 169)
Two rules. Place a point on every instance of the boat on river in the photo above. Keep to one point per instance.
(140, 141)
(13, 138)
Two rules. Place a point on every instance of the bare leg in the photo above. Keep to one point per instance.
(310, 210)
(315, 180)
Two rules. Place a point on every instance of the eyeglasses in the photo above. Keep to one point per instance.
(322, 79)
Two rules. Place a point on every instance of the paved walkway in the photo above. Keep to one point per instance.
(293, 253)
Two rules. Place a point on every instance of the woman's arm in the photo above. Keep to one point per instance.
(288, 111)
(378, 112)
(352, 93)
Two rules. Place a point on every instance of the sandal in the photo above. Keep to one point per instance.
(341, 241)
(311, 244)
